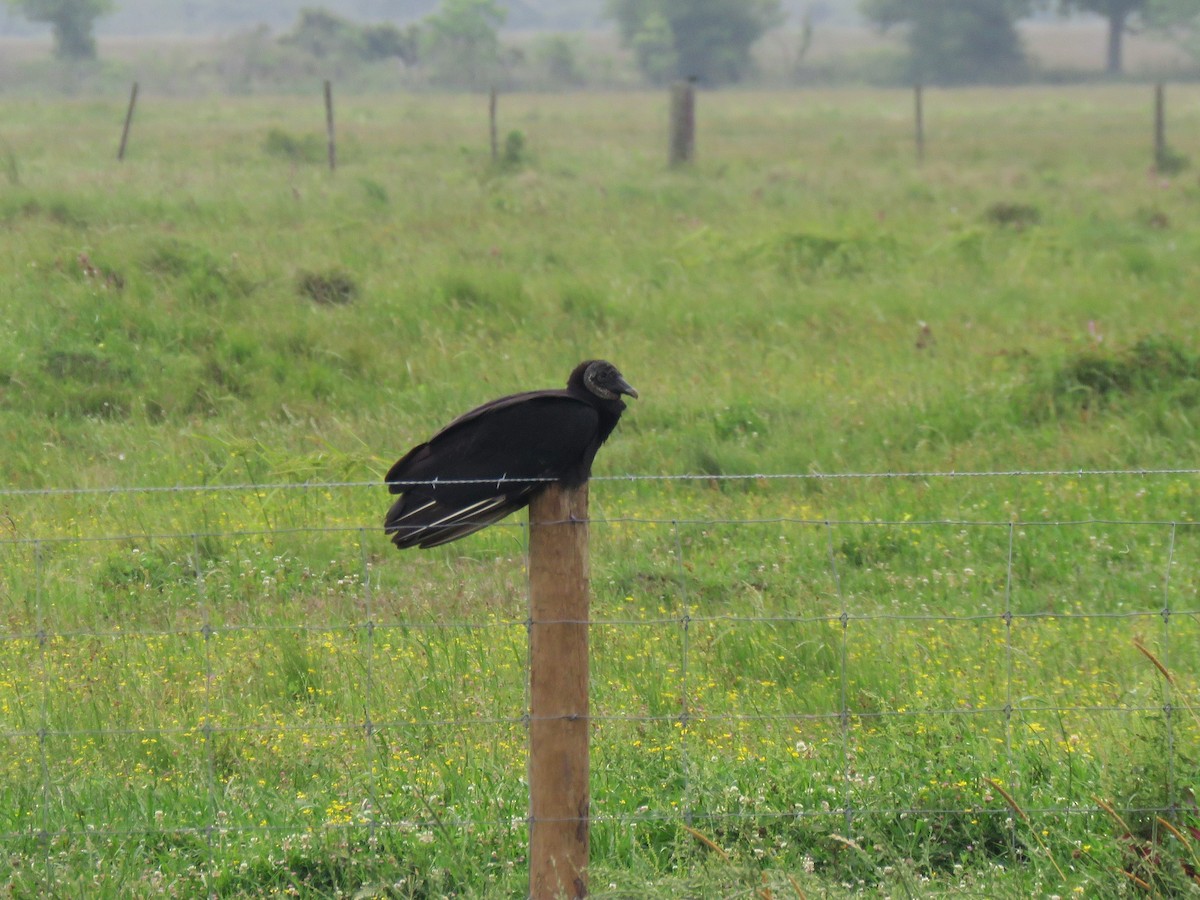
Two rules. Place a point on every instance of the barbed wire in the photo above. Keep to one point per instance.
(690, 720)
(595, 622)
(685, 477)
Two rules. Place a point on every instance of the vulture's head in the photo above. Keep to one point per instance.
(601, 378)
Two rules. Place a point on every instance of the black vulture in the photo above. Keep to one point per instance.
(501, 454)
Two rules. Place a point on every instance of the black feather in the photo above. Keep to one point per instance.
(501, 454)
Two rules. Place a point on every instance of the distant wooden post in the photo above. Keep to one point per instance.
(559, 794)
(683, 123)
(329, 133)
(128, 122)
(1160, 126)
(492, 125)
(919, 113)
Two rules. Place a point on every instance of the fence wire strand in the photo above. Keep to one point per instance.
(932, 474)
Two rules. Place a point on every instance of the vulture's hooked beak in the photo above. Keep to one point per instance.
(624, 387)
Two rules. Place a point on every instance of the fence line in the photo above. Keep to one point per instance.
(370, 626)
(525, 719)
(761, 476)
(850, 620)
(682, 123)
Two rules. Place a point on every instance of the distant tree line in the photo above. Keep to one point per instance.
(710, 41)
(954, 41)
(323, 34)
(458, 44)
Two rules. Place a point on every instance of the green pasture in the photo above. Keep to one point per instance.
(217, 677)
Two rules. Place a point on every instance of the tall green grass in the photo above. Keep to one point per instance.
(813, 685)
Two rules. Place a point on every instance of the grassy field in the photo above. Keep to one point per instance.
(908, 686)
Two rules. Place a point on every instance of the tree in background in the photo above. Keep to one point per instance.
(557, 55)
(323, 34)
(1179, 20)
(385, 39)
(72, 22)
(653, 46)
(1174, 12)
(956, 41)
(1118, 13)
(462, 42)
(708, 40)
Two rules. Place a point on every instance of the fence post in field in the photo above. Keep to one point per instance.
(1160, 126)
(128, 121)
(559, 795)
(492, 125)
(329, 133)
(919, 115)
(683, 123)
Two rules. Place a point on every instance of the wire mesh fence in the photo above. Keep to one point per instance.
(274, 684)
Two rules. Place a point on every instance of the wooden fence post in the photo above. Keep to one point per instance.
(683, 123)
(1160, 126)
(559, 795)
(128, 121)
(919, 114)
(492, 134)
(329, 133)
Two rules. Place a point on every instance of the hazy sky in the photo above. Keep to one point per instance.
(176, 17)
(192, 17)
